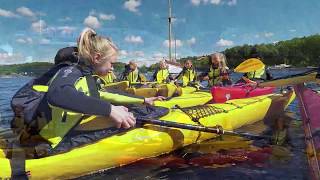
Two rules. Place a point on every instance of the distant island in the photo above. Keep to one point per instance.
(37, 68)
(297, 52)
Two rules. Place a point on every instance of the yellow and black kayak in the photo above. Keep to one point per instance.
(151, 140)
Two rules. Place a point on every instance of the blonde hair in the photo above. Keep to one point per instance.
(222, 61)
(89, 43)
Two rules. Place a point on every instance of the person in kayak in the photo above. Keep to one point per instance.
(161, 75)
(254, 77)
(108, 77)
(72, 95)
(188, 75)
(131, 73)
(218, 73)
(260, 75)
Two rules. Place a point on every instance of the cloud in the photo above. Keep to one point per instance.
(214, 2)
(123, 53)
(159, 55)
(92, 22)
(224, 43)
(7, 59)
(138, 54)
(24, 11)
(107, 17)
(66, 30)
(179, 20)
(232, 3)
(38, 26)
(7, 48)
(44, 41)
(133, 39)
(268, 34)
(132, 5)
(292, 30)
(132, 54)
(195, 2)
(191, 41)
(6, 13)
(27, 40)
(65, 19)
(178, 43)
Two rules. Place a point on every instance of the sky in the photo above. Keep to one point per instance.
(34, 30)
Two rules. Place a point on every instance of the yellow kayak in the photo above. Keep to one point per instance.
(166, 90)
(151, 140)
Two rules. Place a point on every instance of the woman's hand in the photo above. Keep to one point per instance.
(122, 117)
(150, 101)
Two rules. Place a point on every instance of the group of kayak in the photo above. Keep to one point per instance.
(75, 119)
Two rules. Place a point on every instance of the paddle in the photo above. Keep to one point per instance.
(309, 76)
(249, 65)
(215, 130)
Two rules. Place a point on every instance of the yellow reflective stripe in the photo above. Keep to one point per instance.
(40, 88)
(120, 99)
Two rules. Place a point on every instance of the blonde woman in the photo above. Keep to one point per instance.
(73, 90)
(217, 74)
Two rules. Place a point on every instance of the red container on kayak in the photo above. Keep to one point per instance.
(223, 94)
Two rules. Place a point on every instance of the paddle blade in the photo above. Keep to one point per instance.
(249, 65)
(291, 80)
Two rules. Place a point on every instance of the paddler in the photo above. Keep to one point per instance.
(161, 75)
(72, 92)
(131, 73)
(218, 73)
(257, 76)
(108, 77)
(188, 75)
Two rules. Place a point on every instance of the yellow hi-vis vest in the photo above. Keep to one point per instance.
(214, 76)
(188, 76)
(162, 75)
(133, 76)
(258, 74)
(108, 78)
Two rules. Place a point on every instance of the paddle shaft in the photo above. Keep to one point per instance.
(215, 130)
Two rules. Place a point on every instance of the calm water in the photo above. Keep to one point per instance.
(232, 158)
